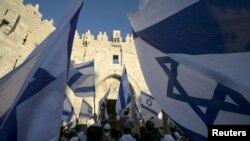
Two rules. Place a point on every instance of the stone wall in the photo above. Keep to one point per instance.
(21, 30)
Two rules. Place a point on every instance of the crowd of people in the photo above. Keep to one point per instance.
(123, 131)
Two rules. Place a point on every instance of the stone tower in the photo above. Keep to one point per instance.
(110, 56)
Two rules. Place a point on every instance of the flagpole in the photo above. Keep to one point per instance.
(121, 55)
(165, 122)
(137, 125)
(75, 116)
(95, 116)
(94, 103)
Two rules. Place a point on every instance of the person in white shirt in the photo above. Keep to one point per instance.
(167, 137)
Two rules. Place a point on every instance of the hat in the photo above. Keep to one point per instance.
(177, 135)
(107, 126)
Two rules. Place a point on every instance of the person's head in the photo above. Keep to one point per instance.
(136, 136)
(71, 134)
(127, 128)
(161, 131)
(79, 127)
(142, 130)
(176, 135)
(95, 133)
(150, 125)
(107, 128)
(85, 127)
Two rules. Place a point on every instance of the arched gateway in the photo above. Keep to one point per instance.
(113, 81)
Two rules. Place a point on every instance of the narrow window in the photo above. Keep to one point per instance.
(115, 59)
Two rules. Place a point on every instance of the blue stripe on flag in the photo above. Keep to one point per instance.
(73, 24)
(129, 99)
(66, 113)
(143, 93)
(85, 89)
(205, 33)
(150, 110)
(74, 78)
(122, 96)
(84, 115)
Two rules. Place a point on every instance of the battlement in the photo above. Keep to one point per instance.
(116, 38)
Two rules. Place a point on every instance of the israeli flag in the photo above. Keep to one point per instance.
(194, 57)
(149, 104)
(31, 96)
(86, 110)
(68, 110)
(124, 94)
(82, 79)
(103, 106)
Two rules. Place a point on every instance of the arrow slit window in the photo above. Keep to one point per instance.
(115, 59)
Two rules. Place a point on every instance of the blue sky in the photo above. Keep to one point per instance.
(96, 15)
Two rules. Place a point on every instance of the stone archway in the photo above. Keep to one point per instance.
(112, 81)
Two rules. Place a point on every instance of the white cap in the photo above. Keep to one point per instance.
(107, 126)
(177, 135)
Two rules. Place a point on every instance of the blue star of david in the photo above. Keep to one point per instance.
(216, 104)
(149, 102)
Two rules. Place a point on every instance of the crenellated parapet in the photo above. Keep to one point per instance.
(116, 38)
(129, 38)
(102, 36)
(87, 38)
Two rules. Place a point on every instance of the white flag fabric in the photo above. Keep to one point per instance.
(31, 96)
(86, 110)
(82, 79)
(103, 106)
(124, 94)
(194, 59)
(68, 110)
(148, 103)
